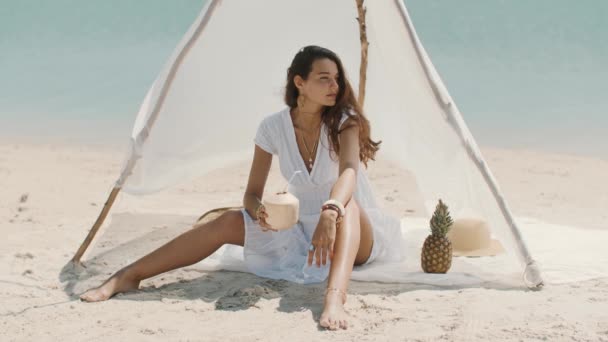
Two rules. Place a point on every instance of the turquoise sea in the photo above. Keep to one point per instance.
(528, 74)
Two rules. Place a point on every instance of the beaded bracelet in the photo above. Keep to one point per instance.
(257, 211)
(334, 208)
(337, 204)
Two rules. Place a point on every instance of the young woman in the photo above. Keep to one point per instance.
(323, 133)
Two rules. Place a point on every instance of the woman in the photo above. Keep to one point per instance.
(324, 134)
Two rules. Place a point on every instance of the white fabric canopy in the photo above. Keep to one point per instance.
(229, 71)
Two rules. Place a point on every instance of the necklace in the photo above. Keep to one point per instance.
(314, 149)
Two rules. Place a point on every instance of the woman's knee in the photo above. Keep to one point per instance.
(231, 217)
(231, 225)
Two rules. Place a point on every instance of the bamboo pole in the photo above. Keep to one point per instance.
(143, 135)
(364, 44)
(102, 216)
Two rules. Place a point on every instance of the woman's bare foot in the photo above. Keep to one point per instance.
(334, 317)
(119, 282)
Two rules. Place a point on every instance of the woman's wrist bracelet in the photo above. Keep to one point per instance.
(338, 204)
(334, 208)
(257, 210)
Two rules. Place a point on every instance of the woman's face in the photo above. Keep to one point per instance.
(321, 87)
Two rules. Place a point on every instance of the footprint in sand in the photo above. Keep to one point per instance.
(24, 198)
(27, 255)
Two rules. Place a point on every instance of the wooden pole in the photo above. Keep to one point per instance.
(364, 44)
(143, 135)
(102, 216)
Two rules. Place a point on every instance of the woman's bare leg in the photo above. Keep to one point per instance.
(186, 249)
(354, 239)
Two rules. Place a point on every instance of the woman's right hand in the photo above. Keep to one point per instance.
(262, 220)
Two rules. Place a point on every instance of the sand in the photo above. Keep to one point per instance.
(51, 193)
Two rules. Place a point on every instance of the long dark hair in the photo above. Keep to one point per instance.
(345, 101)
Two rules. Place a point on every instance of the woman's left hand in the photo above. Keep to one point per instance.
(323, 238)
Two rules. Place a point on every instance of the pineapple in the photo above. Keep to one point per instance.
(437, 249)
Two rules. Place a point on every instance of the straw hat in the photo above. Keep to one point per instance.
(471, 237)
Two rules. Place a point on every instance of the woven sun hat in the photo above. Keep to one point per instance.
(471, 237)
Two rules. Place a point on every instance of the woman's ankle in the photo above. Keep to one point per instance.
(127, 274)
(333, 293)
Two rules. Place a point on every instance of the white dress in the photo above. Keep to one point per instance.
(283, 254)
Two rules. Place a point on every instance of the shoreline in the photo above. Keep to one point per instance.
(100, 144)
(118, 141)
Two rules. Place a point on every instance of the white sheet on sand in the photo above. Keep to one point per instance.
(564, 253)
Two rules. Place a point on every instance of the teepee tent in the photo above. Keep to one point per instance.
(228, 73)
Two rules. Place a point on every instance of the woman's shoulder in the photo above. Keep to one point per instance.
(346, 114)
(276, 118)
(268, 134)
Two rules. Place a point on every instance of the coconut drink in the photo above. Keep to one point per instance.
(283, 208)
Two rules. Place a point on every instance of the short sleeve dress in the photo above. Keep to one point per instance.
(284, 254)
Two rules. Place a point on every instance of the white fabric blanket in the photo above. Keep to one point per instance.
(564, 254)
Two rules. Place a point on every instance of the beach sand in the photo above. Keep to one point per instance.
(51, 194)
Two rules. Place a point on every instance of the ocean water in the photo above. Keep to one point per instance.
(527, 74)
(523, 73)
(78, 70)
